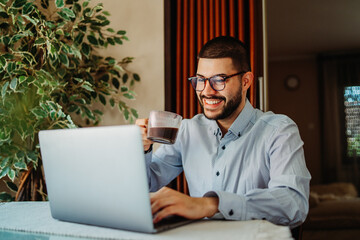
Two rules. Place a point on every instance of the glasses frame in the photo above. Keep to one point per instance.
(212, 82)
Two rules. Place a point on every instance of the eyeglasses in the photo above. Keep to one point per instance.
(217, 82)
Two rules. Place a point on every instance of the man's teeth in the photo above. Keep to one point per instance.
(208, 101)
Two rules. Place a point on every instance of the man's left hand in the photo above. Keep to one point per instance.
(167, 201)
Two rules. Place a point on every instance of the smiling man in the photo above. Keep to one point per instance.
(239, 162)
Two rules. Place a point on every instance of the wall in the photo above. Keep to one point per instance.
(143, 21)
(301, 105)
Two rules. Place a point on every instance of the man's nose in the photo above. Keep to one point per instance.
(208, 90)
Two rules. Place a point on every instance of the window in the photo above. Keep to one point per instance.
(352, 120)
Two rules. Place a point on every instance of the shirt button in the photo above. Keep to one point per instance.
(231, 212)
(217, 173)
(223, 147)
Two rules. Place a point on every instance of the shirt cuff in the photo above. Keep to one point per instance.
(231, 205)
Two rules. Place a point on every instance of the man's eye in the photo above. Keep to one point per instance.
(218, 79)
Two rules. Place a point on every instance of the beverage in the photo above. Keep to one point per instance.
(165, 135)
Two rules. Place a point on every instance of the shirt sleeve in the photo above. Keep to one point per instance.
(285, 201)
(164, 165)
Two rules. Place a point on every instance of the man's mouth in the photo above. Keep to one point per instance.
(212, 103)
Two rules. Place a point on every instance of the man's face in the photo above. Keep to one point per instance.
(219, 105)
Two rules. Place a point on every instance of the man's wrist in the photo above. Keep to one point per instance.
(212, 204)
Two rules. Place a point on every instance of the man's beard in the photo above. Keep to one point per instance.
(229, 107)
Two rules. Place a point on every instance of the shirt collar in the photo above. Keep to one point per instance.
(240, 123)
(242, 120)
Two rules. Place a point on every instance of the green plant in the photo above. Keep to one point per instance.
(50, 70)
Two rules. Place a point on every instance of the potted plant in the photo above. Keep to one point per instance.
(50, 71)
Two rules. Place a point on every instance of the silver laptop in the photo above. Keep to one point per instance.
(97, 176)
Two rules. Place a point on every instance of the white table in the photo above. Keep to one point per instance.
(34, 219)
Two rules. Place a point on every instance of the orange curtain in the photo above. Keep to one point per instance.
(196, 22)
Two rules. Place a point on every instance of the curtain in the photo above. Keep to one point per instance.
(188, 26)
(336, 72)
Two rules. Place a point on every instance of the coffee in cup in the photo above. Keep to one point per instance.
(163, 126)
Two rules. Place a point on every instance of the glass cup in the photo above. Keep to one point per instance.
(163, 126)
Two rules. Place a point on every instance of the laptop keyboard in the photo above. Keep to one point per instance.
(170, 222)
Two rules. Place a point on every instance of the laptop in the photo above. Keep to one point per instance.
(97, 176)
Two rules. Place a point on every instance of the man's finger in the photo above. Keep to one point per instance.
(161, 203)
(171, 210)
(142, 122)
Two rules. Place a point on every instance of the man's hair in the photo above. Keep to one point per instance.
(227, 47)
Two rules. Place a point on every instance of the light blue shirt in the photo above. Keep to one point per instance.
(257, 170)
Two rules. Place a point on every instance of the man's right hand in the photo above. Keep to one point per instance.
(143, 124)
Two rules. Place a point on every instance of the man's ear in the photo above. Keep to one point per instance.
(247, 80)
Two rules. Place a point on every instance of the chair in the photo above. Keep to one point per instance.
(297, 233)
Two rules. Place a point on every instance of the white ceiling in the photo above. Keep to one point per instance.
(307, 27)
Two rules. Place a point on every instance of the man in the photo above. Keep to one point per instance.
(239, 162)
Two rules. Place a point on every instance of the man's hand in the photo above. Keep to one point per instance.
(143, 124)
(167, 202)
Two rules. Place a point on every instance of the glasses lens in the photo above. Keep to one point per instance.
(193, 81)
(217, 83)
(198, 83)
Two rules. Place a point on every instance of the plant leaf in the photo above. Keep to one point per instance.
(18, 3)
(39, 41)
(60, 32)
(13, 84)
(118, 40)
(126, 114)
(64, 59)
(134, 113)
(111, 41)
(92, 40)
(136, 77)
(5, 197)
(28, 7)
(106, 13)
(2, 62)
(87, 87)
(63, 16)
(85, 48)
(68, 12)
(39, 113)
(20, 165)
(116, 83)
(128, 96)
(125, 77)
(32, 157)
(121, 32)
(22, 79)
(4, 172)
(85, 4)
(11, 174)
(102, 99)
(124, 89)
(112, 102)
(73, 108)
(59, 3)
(12, 186)
(4, 89)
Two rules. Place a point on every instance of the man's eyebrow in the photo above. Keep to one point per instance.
(219, 74)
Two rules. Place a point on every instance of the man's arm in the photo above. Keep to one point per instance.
(160, 170)
(285, 200)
